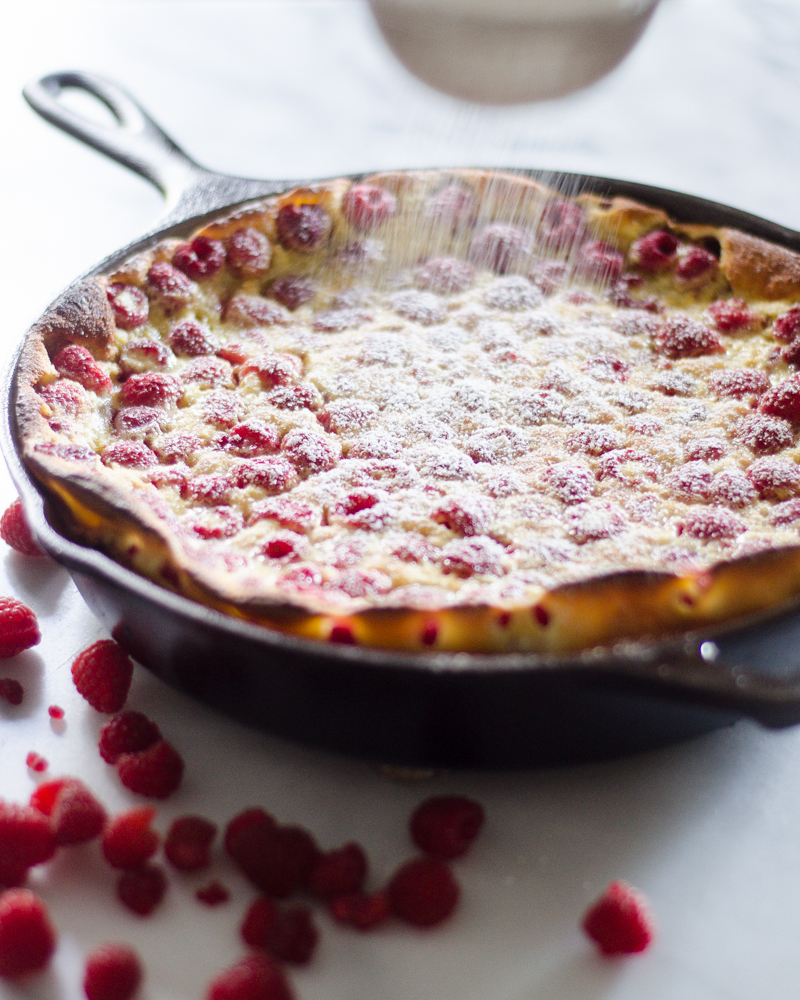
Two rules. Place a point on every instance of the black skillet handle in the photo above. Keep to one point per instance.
(137, 142)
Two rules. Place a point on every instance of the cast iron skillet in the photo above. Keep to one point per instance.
(455, 710)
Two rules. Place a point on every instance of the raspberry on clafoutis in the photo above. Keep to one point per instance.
(76, 816)
(200, 259)
(248, 252)
(783, 400)
(423, 892)
(27, 938)
(19, 628)
(366, 206)
(15, 531)
(127, 732)
(168, 286)
(339, 872)
(445, 826)
(255, 977)
(188, 843)
(103, 674)
(26, 839)
(155, 772)
(78, 363)
(654, 252)
(142, 889)
(787, 326)
(619, 922)
(129, 840)
(303, 227)
(360, 911)
(129, 305)
(112, 972)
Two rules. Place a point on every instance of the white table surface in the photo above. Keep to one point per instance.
(709, 830)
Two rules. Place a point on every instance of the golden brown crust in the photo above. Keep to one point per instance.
(758, 269)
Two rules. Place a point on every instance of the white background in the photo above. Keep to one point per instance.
(709, 103)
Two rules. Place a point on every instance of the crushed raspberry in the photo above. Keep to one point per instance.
(783, 400)
(764, 435)
(366, 206)
(19, 628)
(654, 252)
(127, 732)
(15, 531)
(77, 816)
(774, 478)
(144, 355)
(423, 892)
(360, 911)
(168, 286)
(451, 206)
(248, 252)
(27, 938)
(599, 261)
(209, 373)
(26, 839)
(444, 275)
(11, 691)
(500, 247)
(738, 383)
(77, 363)
(155, 772)
(787, 326)
(130, 454)
(274, 369)
(112, 972)
(103, 674)
(129, 305)
(303, 227)
(293, 290)
(56, 713)
(712, 523)
(200, 259)
(36, 762)
(150, 389)
(142, 889)
(213, 894)
(244, 310)
(445, 826)
(594, 439)
(257, 976)
(570, 483)
(339, 872)
(730, 315)
(129, 839)
(619, 922)
(189, 340)
(681, 337)
(469, 556)
(310, 452)
(695, 265)
(464, 515)
(251, 438)
(188, 843)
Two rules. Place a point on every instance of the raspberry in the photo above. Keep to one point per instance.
(285, 545)
(289, 935)
(464, 515)
(451, 205)
(445, 826)
(339, 872)
(238, 831)
(208, 372)
(43, 797)
(155, 772)
(113, 972)
(56, 712)
(366, 206)
(739, 382)
(150, 389)
(273, 369)
(733, 488)
(14, 530)
(706, 449)
(787, 512)
(628, 465)
(302, 227)
(444, 275)
(712, 523)
(251, 438)
(787, 326)
(292, 290)
(189, 340)
(619, 922)
(607, 368)
(176, 447)
(211, 489)
(254, 977)
(654, 252)
(188, 842)
(258, 920)
(66, 398)
(169, 286)
(499, 246)
(599, 261)
(423, 892)
(310, 452)
(127, 732)
(129, 454)
(791, 353)
(561, 224)
(11, 691)
(129, 305)
(359, 911)
(695, 265)
(251, 310)
(774, 478)
(212, 894)
(36, 762)
(19, 629)
(764, 435)
(273, 475)
(144, 355)
(26, 839)
(691, 481)
(276, 859)
(467, 556)
(27, 939)
(102, 674)
(249, 253)
(730, 315)
(77, 816)
(138, 420)
(129, 840)
(200, 259)
(570, 483)
(77, 363)
(783, 400)
(142, 889)
(681, 337)
(594, 440)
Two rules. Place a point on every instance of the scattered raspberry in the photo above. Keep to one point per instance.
(293, 290)
(14, 530)
(127, 732)
(303, 227)
(129, 304)
(113, 972)
(276, 859)
(11, 690)
(359, 911)
(142, 889)
(783, 400)
(681, 337)
(168, 286)
(27, 939)
(619, 922)
(43, 797)
(423, 892)
(654, 252)
(189, 340)
(150, 389)
(366, 206)
(56, 713)
(339, 872)
(77, 363)
(255, 977)
(155, 772)
(289, 935)
(249, 253)
(200, 259)
(26, 839)
(103, 674)
(77, 816)
(19, 628)
(36, 762)
(445, 826)
(258, 921)
(213, 894)
(129, 840)
(188, 842)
